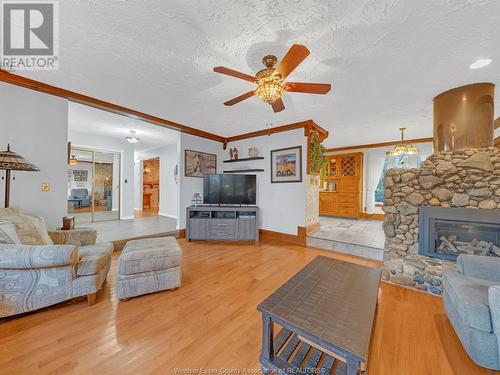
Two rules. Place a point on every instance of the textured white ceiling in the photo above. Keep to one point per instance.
(385, 59)
(98, 123)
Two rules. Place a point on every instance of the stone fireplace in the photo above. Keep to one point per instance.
(450, 205)
(457, 182)
(445, 234)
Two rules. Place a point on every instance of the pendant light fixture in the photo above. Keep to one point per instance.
(403, 148)
(404, 155)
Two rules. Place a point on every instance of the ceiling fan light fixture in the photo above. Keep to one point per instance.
(269, 91)
(132, 138)
(73, 160)
(270, 85)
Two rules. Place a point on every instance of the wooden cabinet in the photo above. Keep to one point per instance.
(345, 175)
(222, 223)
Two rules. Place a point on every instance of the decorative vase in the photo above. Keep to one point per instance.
(253, 152)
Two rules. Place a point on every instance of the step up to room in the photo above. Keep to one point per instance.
(346, 248)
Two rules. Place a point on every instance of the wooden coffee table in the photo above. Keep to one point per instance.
(326, 312)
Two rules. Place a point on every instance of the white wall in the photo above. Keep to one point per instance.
(169, 158)
(282, 205)
(126, 151)
(372, 164)
(168, 187)
(36, 126)
(190, 185)
(116, 187)
(138, 168)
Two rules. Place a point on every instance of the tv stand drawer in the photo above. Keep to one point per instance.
(223, 225)
(222, 236)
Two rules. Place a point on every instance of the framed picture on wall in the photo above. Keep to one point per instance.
(286, 165)
(80, 175)
(197, 163)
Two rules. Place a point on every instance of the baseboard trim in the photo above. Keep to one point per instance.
(296, 239)
(373, 216)
(313, 228)
(167, 215)
(126, 218)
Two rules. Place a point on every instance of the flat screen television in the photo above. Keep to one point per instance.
(229, 189)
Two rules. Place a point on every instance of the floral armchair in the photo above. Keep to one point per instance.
(39, 268)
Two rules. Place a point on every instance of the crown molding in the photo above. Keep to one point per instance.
(31, 84)
(307, 125)
(383, 144)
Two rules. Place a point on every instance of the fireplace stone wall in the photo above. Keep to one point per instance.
(467, 178)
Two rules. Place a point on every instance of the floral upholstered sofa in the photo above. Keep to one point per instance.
(39, 268)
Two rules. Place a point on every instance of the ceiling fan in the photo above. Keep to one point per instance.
(270, 80)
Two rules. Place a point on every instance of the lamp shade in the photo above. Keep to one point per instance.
(11, 161)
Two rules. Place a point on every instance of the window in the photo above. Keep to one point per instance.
(400, 162)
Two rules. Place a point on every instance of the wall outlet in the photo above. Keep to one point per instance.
(45, 186)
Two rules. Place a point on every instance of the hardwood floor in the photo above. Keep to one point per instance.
(97, 208)
(212, 322)
(146, 212)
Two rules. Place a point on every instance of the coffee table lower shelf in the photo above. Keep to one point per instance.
(294, 356)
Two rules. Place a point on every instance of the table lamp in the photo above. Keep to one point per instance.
(10, 161)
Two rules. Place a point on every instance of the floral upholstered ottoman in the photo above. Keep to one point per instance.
(147, 266)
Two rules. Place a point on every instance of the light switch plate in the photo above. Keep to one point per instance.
(45, 186)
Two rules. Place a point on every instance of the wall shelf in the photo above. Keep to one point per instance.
(243, 159)
(244, 170)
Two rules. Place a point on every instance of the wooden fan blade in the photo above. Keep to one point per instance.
(234, 73)
(295, 55)
(278, 105)
(240, 98)
(310, 88)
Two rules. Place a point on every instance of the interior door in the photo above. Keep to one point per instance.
(106, 193)
(80, 175)
(93, 185)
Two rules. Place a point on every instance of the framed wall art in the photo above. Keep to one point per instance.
(286, 165)
(197, 163)
(80, 175)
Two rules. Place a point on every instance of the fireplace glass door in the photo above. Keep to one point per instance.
(453, 238)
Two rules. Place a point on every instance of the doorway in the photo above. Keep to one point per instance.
(151, 187)
(94, 185)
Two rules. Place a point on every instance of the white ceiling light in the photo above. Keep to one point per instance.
(480, 63)
(132, 138)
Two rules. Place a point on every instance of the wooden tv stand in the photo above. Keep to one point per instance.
(222, 223)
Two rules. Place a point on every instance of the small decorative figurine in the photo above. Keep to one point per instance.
(253, 152)
(196, 199)
(233, 152)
